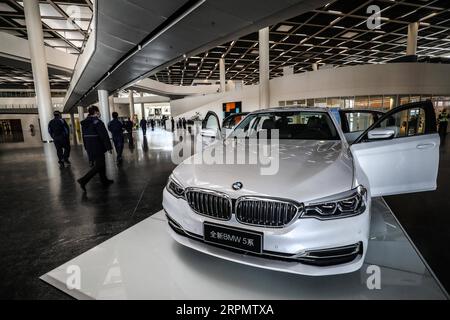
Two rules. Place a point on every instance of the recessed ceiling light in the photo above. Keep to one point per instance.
(429, 16)
(284, 28)
(349, 34)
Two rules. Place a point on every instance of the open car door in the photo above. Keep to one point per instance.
(211, 131)
(230, 122)
(399, 153)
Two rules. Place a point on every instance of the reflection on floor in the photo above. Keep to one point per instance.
(45, 220)
(143, 262)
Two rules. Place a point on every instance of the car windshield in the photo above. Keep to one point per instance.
(296, 125)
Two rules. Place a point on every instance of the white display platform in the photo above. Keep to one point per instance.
(143, 262)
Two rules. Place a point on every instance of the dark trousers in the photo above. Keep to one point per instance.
(144, 130)
(99, 167)
(62, 146)
(130, 139)
(443, 130)
(118, 144)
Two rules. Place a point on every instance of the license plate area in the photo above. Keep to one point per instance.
(234, 238)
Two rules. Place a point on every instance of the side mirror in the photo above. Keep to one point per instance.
(381, 134)
(209, 133)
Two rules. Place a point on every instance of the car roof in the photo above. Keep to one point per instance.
(292, 108)
(237, 114)
(361, 110)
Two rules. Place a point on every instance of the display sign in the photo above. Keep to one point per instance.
(233, 238)
(231, 108)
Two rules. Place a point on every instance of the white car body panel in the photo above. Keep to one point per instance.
(275, 265)
(310, 171)
(305, 166)
(294, 239)
(399, 165)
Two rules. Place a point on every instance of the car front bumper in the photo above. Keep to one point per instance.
(284, 249)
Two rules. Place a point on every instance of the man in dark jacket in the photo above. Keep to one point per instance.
(143, 124)
(443, 123)
(96, 142)
(152, 124)
(172, 122)
(60, 133)
(116, 128)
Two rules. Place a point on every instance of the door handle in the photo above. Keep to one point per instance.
(425, 145)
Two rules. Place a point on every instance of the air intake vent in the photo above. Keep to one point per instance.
(266, 212)
(209, 203)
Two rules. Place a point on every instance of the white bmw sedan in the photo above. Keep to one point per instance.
(312, 216)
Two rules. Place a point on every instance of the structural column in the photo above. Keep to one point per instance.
(112, 106)
(39, 65)
(264, 85)
(131, 105)
(81, 118)
(315, 67)
(80, 114)
(103, 102)
(223, 87)
(74, 128)
(413, 29)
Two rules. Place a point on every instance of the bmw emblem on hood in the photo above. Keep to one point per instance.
(237, 185)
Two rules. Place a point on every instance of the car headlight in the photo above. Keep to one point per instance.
(175, 188)
(345, 205)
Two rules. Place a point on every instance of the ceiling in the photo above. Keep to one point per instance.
(333, 35)
(65, 23)
(17, 74)
(17, 78)
(134, 39)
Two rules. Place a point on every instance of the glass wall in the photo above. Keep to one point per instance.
(376, 102)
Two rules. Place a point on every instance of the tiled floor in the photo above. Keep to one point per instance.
(46, 220)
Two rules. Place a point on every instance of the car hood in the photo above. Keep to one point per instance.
(307, 170)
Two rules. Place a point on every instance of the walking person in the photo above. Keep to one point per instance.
(143, 124)
(116, 127)
(97, 142)
(443, 123)
(60, 133)
(172, 122)
(184, 123)
(152, 124)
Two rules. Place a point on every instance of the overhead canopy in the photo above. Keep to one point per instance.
(134, 39)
